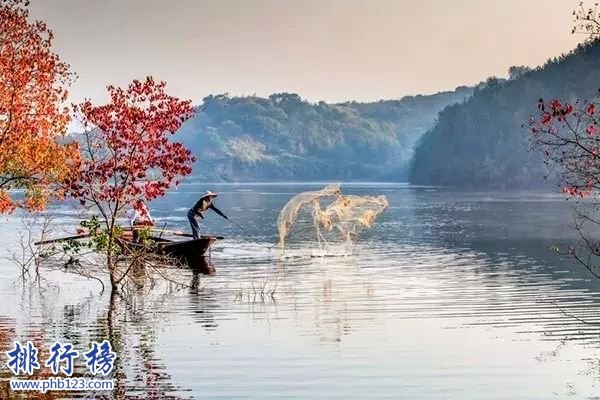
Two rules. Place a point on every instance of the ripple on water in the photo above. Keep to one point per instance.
(434, 303)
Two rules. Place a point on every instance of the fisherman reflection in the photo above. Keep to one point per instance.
(203, 303)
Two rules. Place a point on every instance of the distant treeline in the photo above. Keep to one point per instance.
(284, 137)
(481, 142)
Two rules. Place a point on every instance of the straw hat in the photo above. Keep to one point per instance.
(209, 193)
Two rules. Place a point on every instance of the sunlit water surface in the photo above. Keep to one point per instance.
(452, 295)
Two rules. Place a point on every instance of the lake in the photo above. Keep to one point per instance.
(452, 295)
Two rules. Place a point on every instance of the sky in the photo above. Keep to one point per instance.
(330, 50)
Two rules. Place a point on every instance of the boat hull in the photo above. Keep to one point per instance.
(189, 252)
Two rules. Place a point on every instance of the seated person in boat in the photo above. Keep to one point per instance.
(139, 218)
(201, 206)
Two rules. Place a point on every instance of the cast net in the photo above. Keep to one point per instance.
(340, 217)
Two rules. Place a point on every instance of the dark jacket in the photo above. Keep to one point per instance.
(204, 204)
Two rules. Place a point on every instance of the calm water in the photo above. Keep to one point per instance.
(453, 295)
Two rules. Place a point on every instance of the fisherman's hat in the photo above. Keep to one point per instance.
(209, 193)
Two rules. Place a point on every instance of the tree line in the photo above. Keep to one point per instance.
(482, 141)
(286, 137)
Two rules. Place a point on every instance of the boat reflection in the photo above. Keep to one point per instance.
(201, 266)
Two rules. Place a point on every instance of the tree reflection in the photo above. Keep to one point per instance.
(139, 373)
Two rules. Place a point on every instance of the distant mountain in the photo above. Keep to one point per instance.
(284, 137)
(481, 142)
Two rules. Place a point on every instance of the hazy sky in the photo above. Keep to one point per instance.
(332, 50)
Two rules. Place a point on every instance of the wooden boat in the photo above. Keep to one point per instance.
(190, 252)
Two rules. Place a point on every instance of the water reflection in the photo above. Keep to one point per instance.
(451, 296)
(203, 266)
(139, 372)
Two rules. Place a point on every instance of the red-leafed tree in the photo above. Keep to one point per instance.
(568, 134)
(128, 154)
(569, 137)
(33, 88)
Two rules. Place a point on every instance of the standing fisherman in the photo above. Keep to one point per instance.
(201, 206)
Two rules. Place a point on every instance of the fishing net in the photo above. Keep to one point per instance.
(341, 218)
(290, 212)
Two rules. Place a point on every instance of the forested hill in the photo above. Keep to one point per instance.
(481, 142)
(284, 137)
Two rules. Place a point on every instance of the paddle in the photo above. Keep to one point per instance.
(179, 233)
(176, 233)
(163, 230)
(85, 235)
(62, 239)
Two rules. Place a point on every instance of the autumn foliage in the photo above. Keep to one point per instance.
(567, 134)
(33, 88)
(127, 155)
(127, 151)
